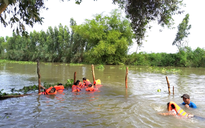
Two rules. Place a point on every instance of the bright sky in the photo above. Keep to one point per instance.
(61, 12)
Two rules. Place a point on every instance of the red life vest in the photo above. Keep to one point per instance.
(86, 83)
(47, 92)
(91, 89)
(59, 87)
(81, 85)
(75, 88)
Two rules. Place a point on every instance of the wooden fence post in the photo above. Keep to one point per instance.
(93, 72)
(74, 77)
(39, 76)
(168, 84)
(126, 77)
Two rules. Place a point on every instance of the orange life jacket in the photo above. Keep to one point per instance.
(59, 87)
(178, 110)
(46, 92)
(86, 83)
(81, 85)
(91, 89)
(75, 88)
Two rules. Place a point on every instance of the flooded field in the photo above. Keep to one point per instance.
(113, 106)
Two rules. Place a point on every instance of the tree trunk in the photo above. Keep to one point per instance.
(3, 7)
(137, 48)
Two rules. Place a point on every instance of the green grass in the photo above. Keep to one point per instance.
(75, 64)
(18, 62)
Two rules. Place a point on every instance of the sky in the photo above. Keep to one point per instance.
(156, 42)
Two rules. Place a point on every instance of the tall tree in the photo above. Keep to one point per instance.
(1, 45)
(19, 13)
(105, 39)
(34, 39)
(72, 23)
(42, 47)
(61, 42)
(66, 46)
(183, 32)
(140, 12)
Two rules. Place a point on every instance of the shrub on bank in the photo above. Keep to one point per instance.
(186, 57)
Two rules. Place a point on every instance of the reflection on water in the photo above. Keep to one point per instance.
(112, 106)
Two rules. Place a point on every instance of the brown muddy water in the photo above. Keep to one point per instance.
(112, 107)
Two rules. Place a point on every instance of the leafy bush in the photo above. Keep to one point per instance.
(184, 58)
(100, 67)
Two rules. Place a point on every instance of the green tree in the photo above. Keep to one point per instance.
(199, 57)
(105, 38)
(34, 37)
(42, 47)
(19, 13)
(66, 45)
(16, 45)
(140, 12)
(1, 44)
(3, 47)
(183, 32)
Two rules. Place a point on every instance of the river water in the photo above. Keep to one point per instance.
(112, 106)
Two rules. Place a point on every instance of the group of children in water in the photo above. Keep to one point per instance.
(85, 84)
(172, 107)
(76, 87)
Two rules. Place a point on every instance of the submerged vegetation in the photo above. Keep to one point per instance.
(4, 95)
(33, 88)
(163, 70)
(101, 67)
(13, 61)
(75, 64)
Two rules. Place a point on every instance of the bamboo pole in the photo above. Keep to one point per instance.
(173, 90)
(126, 77)
(39, 77)
(168, 84)
(74, 77)
(93, 72)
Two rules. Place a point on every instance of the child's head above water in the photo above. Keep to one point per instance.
(60, 84)
(52, 90)
(77, 82)
(173, 107)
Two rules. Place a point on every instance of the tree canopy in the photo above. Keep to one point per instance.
(101, 40)
(106, 38)
(140, 12)
(19, 13)
(183, 32)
